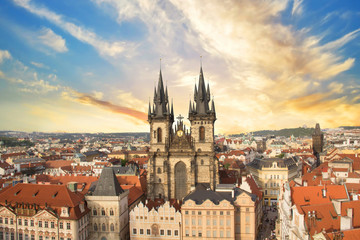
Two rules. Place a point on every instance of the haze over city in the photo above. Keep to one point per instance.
(91, 66)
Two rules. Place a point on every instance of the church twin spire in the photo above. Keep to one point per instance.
(201, 99)
(161, 105)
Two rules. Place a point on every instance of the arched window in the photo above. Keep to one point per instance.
(159, 170)
(202, 133)
(103, 211)
(112, 227)
(159, 135)
(111, 212)
(103, 227)
(159, 180)
(94, 212)
(95, 227)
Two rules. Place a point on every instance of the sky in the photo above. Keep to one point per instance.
(91, 66)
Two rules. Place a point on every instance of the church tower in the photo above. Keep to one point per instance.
(161, 119)
(180, 159)
(317, 142)
(202, 119)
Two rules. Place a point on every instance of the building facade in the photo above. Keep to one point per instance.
(109, 208)
(271, 173)
(44, 212)
(155, 220)
(317, 142)
(181, 159)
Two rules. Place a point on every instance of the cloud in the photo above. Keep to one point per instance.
(106, 48)
(39, 65)
(297, 7)
(90, 100)
(4, 54)
(50, 39)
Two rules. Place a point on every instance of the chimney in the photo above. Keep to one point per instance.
(349, 212)
(305, 183)
(323, 192)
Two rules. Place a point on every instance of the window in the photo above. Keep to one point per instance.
(134, 231)
(221, 234)
(40, 238)
(214, 233)
(103, 227)
(94, 212)
(20, 236)
(199, 212)
(159, 170)
(1, 220)
(202, 133)
(141, 231)
(40, 223)
(208, 234)
(202, 162)
(33, 237)
(6, 221)
(207, 222)
(214, 222)
(214, 212)
(221, 213)
(162, 232)
(247, 209)
(228, 213)
(221, 222)
(11, 221)
(207, 212)
(199, 222)
(247, 229)
(25, 222)
(103, 212)
(111, 212)
(61, 225)
(192, 212)
(176, 233)
(148, 232)
(186, 221)
(112, 227)
(19, 221)
(95, 227)
(46, 224)
(187, 232)
(31, 223)
(228, 222)
(247, 219)
(228, 234)
(169, 232)
(193, 221)
(193, 233)
(52, 225)
(186, 212)
(200, 233)
(68, 226)
(159, 135)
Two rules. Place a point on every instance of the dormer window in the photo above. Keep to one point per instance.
(64, 212)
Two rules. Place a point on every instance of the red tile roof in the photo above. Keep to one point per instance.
(53, 196)
(311, 195)
(355, 205)
(135, 193)
(58, 163)
(353, 234)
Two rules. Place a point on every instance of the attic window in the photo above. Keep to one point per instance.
(55, 195)
(17, 192)
(307, 199)
(35, 194)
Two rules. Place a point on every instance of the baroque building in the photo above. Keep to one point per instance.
(181, 159)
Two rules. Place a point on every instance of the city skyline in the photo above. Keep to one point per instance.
(91, 66)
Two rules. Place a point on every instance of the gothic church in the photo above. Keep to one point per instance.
(180, 159)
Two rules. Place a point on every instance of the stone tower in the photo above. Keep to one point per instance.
(109, 208)
(181, 159)
(317, 142)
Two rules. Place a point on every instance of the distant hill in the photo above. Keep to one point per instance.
(287, 132)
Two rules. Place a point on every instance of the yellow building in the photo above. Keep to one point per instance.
(270, 173)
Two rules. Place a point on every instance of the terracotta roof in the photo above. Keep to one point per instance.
(255, 189)
(134, 193)
(311, 195)
(11, 155)
(44, 196)
(325, 218)
(353, 234)
(355, 205)
(340, 169)
(5, 165)
(84, 181)
(315, 178)
(58, 163)
(150, 204)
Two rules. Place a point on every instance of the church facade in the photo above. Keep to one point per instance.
(181, 158)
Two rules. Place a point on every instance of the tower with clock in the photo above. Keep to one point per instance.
(181, 158)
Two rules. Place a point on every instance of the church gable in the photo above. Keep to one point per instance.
(5, 211)
(45, 214)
